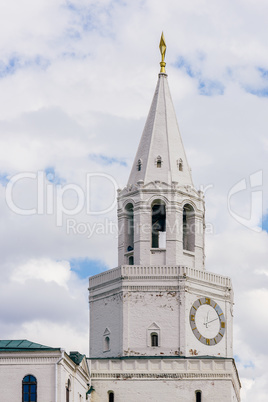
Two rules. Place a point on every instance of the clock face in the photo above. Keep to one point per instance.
(207, 321)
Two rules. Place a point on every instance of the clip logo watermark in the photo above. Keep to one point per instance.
(50, 197)
(254, 204)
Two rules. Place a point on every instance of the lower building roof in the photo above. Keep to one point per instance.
(22, 345)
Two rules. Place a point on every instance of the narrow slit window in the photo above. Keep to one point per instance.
(129, 228)
(198, 396)
(68, 390)
(154, 339)
(139, 165)
(106, 344)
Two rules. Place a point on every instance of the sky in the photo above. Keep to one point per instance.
(76, 82)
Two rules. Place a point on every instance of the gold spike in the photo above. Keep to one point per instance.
(162, 47)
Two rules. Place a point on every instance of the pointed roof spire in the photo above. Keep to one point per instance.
(162, 47)
(161, 156)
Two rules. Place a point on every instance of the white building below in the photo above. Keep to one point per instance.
(31, 372)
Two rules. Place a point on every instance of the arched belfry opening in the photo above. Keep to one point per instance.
(129, 228)
(158, 224)
(188, 227)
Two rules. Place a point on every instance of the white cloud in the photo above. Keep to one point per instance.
(37, 331)
(43, 269)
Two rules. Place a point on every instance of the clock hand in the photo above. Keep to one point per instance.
(212, 320)
(206, 320)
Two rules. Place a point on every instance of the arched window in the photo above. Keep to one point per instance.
(159, 225)
(29, 389)
(139, 165)
(129, 232)
(110, 396)
(180, 165)
(198, 396)
(106, 344)
(154, 339)
(68, 390)
(131, 260)
(188, 228)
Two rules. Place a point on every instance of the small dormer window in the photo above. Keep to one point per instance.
(153, 335)
(139, 165)
(159, 162)
(180, 164)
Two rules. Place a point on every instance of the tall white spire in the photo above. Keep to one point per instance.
(160, 214)
(161, 154)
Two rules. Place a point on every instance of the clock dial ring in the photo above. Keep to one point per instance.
(217, 318)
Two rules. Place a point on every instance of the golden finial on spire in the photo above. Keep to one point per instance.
(162, 47)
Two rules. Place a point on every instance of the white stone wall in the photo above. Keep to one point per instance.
(161, 380)
(128, 300)
(144, 308)
(106, 312)
(157, 390)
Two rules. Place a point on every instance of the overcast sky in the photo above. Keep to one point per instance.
(76, 82)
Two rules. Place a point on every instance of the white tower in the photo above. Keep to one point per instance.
(160, 324)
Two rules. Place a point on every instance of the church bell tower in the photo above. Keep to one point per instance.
(161, 325)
